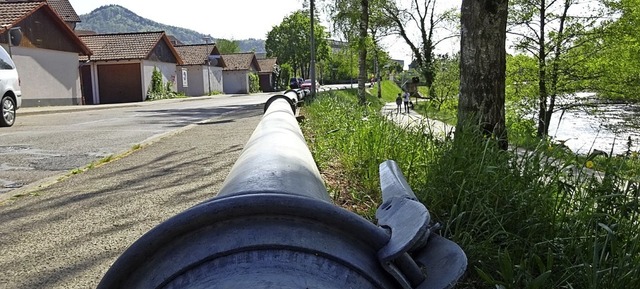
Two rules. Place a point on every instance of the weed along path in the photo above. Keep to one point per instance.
(68, 234)
(414, 120)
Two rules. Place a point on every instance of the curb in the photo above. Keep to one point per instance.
(88, 107)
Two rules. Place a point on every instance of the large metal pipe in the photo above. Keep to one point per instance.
(273, 225)
(276, 158)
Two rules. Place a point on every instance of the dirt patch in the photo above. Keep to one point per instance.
(347, 193)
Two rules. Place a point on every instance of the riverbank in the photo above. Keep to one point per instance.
(584, 123)
(506, 212)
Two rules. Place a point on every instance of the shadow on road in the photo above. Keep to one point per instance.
(67, 235)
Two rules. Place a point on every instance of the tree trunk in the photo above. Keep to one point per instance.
(543, 124)
(362, 50)
(427, 39)
(377, 71)
(555, 66)
(482, 69)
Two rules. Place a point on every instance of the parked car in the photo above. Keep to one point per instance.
(295, 82)
(9, 89)
(307, 84)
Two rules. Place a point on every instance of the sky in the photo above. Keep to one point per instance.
(228, 19)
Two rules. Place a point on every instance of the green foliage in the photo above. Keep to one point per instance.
(521, 95)
(445, 111)
(290, 42)
(612, 61)
(341, 66)
(446, 84)
(524, 220)
(551, 42)
(389, 91)
(254, 83)
(442, 98)
(158, 89)
(433, 25)
(227, 46)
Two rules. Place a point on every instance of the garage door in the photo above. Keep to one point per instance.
(120, 83)
(87, 87)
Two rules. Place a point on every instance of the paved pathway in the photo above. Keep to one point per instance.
(416, 120)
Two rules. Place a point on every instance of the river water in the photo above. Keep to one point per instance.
(602, 126)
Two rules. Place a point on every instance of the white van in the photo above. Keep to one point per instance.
(9, 89)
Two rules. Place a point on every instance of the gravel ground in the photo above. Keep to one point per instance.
(68, 234)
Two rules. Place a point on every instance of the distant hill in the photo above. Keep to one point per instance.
(117, 19)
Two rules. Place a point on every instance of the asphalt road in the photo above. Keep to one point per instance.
(66, 235)
(42, 145)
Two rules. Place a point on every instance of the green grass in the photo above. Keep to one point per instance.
(389, 90)
(522, 222)
(446, 112)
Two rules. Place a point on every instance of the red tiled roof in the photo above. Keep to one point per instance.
(13, 12)
(267, 64)
(240, 61)
(194, 54)
(65, 10)
(197, 54)
(62, 7)
(121, 46)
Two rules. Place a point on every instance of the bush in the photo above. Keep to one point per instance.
(254, 83)
(159, 90)
(156, 89)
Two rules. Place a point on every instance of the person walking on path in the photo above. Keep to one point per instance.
(405, 98)
(399, 103)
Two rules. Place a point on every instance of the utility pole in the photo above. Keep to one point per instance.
(313, 52)
(206, 40)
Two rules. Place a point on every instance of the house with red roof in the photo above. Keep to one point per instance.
(201, 70)
(63, 8)
(269, 71)
(122, 64)
(47, 55)
(237, 70)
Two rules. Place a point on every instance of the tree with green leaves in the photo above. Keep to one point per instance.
(521, 97)
(548, 30)
(446, 83)
(290, 42)
(226, 46)
(380, 26)
(613, 59)
(338, 66)
(346, 15)
(422, 16)
(482, 70)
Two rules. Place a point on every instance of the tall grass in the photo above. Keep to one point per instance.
(523, 219)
